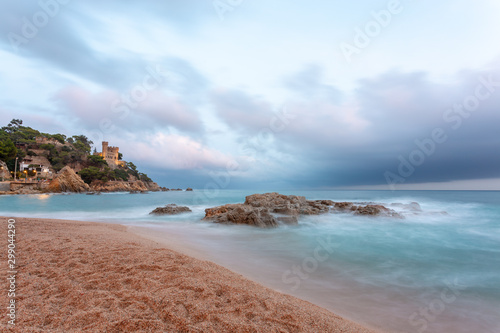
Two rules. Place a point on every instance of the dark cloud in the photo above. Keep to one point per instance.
(403, 109)
(389, 121)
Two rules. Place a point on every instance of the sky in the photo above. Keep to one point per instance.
(266, 94)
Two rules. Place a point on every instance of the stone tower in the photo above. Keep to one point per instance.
(104, 149)
(110, 154)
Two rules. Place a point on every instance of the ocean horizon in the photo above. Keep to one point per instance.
(435, 270)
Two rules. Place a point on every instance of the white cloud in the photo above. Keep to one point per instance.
(172, 151)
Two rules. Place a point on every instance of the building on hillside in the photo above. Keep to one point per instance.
(110, 155)
(43, 140)
(40, 164)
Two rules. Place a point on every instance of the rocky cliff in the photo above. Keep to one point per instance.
(67, 181)
(4, 171)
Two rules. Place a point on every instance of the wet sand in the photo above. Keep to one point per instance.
(95, 277)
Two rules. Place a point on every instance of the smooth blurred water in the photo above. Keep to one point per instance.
(433, 271)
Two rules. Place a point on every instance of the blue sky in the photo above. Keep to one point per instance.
(276, 94)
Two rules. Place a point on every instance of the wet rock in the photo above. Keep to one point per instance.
(374, 210)
(266, 210)
(290, 220)
(170, 209)
(241, 214)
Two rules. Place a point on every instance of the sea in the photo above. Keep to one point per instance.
(435, 270)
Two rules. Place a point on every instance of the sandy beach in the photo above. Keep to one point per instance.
(94, 277)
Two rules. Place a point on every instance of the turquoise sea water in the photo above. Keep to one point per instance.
(437, 270)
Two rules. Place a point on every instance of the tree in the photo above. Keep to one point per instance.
(13, 126)
(59, 137)
(82, 144)
(89, 174)
(120, 174)
(8, 150)
(97, 161)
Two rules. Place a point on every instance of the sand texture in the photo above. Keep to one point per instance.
(93, 277)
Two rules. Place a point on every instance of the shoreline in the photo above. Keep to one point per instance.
(96, 276)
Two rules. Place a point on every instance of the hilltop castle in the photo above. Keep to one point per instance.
(110, 155)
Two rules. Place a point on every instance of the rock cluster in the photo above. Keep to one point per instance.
(170, 209)
(119, 186)
(67, 181)
(241, 214)
(267, 210)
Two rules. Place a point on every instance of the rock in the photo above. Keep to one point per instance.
(291, 220)
(170, 209)
(189, 189)
(67, 181)
(241, 214)
(258, 210)
(288, 204)
(374, 210)
(119, 186)
(4, 171)
(152, 186)
(93, 193)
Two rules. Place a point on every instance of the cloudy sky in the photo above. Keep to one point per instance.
(266, 94)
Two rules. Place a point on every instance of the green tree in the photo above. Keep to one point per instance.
(91, 173)
(59, 137)
(120, 174)
(8, 150)
(96, 161)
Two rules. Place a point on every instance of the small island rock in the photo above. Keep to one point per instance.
(170, 209)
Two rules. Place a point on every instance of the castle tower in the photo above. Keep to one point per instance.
(104, 149)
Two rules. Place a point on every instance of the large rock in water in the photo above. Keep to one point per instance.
(67, 181)
(241, 214)
(266, 210)
(170, 209)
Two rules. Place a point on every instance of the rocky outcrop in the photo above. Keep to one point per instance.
(266, 210)
(4, 171)
(189, 189)
(241, 214)
(25, 188)
(152, 186)
(119, 186)
(67, 181)
(170, 209)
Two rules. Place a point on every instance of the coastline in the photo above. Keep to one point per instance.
(94, 276)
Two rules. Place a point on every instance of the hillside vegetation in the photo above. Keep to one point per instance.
(20, 141)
